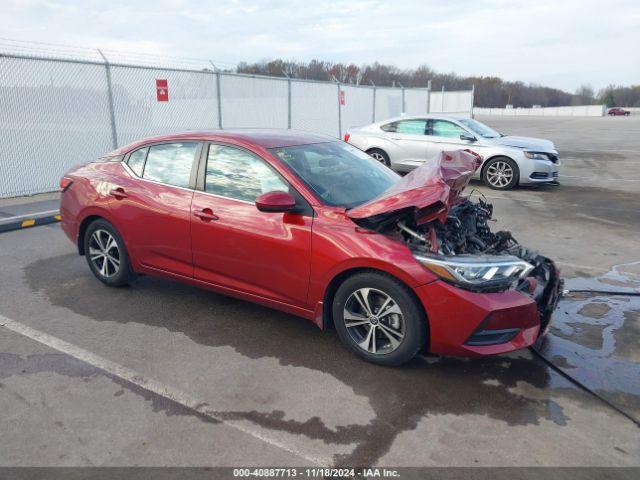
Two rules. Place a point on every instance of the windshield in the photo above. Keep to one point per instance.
(479, 128)
(340, 174)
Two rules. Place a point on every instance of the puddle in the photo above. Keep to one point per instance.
(595, 338)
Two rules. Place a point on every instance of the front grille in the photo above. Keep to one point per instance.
(555, 174)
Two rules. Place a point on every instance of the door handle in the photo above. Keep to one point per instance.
(206, 215)
(118, 193)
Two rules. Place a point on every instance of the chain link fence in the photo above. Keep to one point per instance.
(57, 112)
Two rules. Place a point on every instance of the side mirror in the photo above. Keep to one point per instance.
(275, 202)
(468, 137)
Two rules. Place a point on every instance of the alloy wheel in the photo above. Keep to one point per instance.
(499, 174)
(104, 253)
(374, 321)
(379, 157)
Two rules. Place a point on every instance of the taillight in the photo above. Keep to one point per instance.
(347, 136)
(65, 183)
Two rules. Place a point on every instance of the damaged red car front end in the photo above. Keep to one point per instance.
(492, 295)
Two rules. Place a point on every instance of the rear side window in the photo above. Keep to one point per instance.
(414, 127)
(170, 163)
(136, 161)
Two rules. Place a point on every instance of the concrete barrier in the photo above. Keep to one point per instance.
(572, 111)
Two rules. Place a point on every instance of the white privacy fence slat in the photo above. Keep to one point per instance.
(357, 107)
(314, 107)
(388, 103)
(53, 115)
(254, 102)
(192, 103)
(59, 112)
(575, 111)
(455, 103)
(416, 101)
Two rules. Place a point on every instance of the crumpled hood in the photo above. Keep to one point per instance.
(426, 193)
(530, 143)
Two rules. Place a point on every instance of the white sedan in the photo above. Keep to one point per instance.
(405, 143)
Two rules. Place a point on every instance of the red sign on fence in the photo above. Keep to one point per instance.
(342, 100)
(162, 90)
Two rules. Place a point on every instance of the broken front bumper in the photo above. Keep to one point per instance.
(472, 324)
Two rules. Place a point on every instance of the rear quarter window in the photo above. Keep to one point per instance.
(136, 161)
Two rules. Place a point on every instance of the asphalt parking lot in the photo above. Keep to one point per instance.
(163, 374)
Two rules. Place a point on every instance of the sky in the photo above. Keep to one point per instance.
(561, 43)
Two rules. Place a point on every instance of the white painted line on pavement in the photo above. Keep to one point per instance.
(151, 385)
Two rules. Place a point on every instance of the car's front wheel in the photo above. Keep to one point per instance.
(501, 173)
(378, 318)
(106, 254)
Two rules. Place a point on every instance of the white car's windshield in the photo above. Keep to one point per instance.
(479, 128)
(340, 174)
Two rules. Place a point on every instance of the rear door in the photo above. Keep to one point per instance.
(237, 246)
(152, 205)
(411, 143)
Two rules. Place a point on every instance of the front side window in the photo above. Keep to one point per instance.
(236, 173)
(170, 163)
(443, 128)
(339, 173)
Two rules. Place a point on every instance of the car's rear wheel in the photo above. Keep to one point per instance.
(501, 173)
(379, 155)
(378, 318)
(106, 254)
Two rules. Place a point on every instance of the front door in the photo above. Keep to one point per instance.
(237, 246)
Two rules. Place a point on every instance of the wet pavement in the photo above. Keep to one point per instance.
(278, 391)
(595, 337)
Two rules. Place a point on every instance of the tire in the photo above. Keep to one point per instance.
(397, 335)
(494, 179)
(380, 155)
(101, 237)
(626, 114)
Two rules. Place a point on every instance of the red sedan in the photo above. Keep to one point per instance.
(617, 111)
(317, 228)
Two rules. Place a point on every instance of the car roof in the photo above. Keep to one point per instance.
(265, 137)
(437, 116)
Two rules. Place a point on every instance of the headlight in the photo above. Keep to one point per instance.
(477, 272)
(536, 155)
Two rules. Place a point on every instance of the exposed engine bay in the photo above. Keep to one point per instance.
(466, 232)
(450, 233)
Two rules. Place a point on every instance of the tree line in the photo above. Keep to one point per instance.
(489, 91)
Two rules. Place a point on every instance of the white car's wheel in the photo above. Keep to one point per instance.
(501, 173)
(379, 155)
